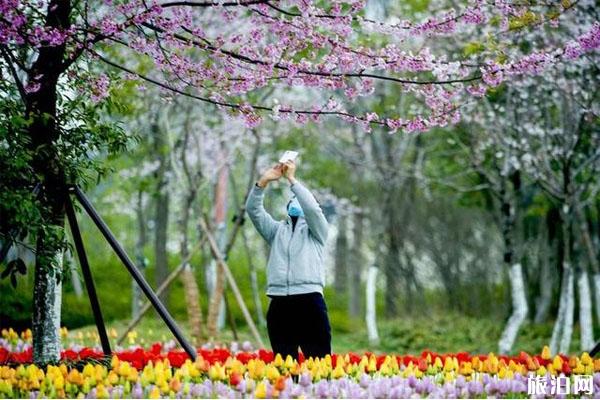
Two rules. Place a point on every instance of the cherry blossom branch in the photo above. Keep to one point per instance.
(212, 3)
(279, 66)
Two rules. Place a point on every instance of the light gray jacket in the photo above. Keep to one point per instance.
(296, 258)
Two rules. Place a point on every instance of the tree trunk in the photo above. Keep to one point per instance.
(188, 277)
(161, 218)
(43, 132)
(160, 240)
(546, 282)
(341, 256)
(215, 276)
(562, 306)
(136, 293)
(254, 282)
(371, 317)
(586, 323)
(565, 342)
(355, 267)
(47, 297)
(594, 263)
(75, 281)
(519, 309)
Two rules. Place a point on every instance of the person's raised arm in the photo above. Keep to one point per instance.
(315, 218)
(262, 220)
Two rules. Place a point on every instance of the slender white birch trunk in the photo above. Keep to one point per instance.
(371, 318)
(520, 309)
(567, 333)
(597, 295)
(585, 311)
(562, 306)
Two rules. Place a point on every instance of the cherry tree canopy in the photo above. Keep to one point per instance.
(220, 51)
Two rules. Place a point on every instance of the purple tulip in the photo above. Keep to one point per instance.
(305, 379)
(364, 381)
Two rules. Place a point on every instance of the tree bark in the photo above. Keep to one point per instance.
(546, 281)
(519, 309)
(136, 293)
(47, 297)
(161, 218)
(216, 275)
(41, 109)
(254, 282)
(188, 277)
(371, 316)
(586, 323)
(341, 256)
(563, 327)
(355, 267)
(593, 259)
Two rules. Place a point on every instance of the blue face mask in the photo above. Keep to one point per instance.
(294, 209)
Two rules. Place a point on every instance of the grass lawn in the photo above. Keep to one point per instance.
(442, 333)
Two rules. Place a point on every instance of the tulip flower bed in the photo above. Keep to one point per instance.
(162, 371)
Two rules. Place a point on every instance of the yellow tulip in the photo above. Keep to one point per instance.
(272, 373)
(289, 362)
(372, 367)
(557, 363)
(155, 393)
(546, 355)
(338, 372)
(278, 362)
(261, 390)
(59, 382)
(113, 378)
(102, 392)
(586, 359)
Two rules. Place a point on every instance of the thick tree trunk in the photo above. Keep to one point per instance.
(355, 267)
(47, 296)
(371, 316)
(341, 256)
(43, 132)
(586, 323)
(519, 309)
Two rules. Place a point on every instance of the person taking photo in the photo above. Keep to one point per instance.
(297, 314)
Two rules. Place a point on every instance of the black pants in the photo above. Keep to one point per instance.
(299, 320)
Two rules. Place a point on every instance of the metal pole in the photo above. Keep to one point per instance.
(87, 276)
(160, 308)
(595, 350)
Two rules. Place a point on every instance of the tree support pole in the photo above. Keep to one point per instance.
(133, 271)
(222, 264)
(87, 276)
(166, 283)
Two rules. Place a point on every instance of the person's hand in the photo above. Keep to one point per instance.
(289, 169)
(272, 174)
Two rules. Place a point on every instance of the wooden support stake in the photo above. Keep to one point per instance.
(221, 263)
